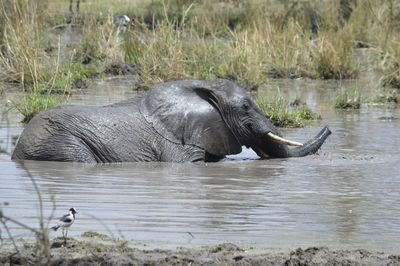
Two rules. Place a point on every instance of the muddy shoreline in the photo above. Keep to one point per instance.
(96, 249)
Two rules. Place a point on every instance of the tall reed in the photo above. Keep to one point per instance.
(21, 58)
(101, 42)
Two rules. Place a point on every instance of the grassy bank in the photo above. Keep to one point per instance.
(245, 41)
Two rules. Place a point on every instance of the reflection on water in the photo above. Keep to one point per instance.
(347, 196)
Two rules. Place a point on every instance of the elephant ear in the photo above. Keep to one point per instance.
(185, 113)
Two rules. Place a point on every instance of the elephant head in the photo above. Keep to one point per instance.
(218, 117)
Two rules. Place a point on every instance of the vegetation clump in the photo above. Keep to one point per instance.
(391, 64)
(348, 99)
(282, 115)
(388, 97)
(31, 104)
(94, 234)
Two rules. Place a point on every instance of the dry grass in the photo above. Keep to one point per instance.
(391, 63)
(171, 52)
(21, 58)
(377, 24)
(287, 52)
(100, 42)
(247, 50)
(247, 41)
(157, 54)
(334, 56)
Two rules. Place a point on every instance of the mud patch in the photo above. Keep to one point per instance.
(103, 250)
(325, 256)
(119, 69)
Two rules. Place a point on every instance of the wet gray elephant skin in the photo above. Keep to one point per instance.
(179, 121)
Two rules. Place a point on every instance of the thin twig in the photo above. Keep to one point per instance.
(43, 233)
(39, 195)
(6, 218)
(9, 234)
(53, 210)
(53, 80)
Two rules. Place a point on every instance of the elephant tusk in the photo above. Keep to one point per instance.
(283, 141)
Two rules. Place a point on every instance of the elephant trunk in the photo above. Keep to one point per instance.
(311, 146)
(274, 146)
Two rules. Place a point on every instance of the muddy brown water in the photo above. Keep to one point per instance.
(348, 196)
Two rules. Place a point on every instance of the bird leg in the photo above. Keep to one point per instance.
(64, 235)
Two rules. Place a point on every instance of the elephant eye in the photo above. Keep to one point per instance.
(246, 106)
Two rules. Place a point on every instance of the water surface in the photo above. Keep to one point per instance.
(347, 196)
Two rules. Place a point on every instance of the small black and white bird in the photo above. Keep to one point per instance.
(65, 222)
(122, 23)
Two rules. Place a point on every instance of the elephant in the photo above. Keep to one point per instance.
(176, 121)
